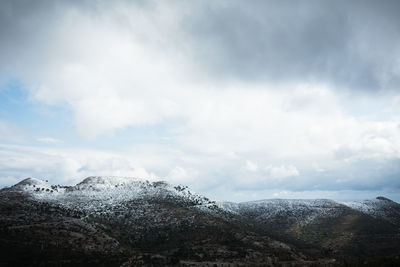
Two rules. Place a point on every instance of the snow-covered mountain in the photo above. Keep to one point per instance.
(113, 221)
(381, 208)
(132, 221)
(111, 190)
(305, 211)
(105, 191)
(294, 211)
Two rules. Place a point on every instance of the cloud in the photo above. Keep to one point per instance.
(251, 166)
(63, 166)
(10, 132)
(49, 140)
(179, 175)
(235, 86)
(300, 41)
(282, 171)
(130, 64)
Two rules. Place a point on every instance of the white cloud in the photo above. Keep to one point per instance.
(114, 71)
(251, 166)
(126, 65)
(178, 175)
(64, 166)
(49, 140)
(283, 171)
(10, 132)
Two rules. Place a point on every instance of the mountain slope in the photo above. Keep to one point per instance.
(122, 221)
(113, 221)
(381, 208)
(324, 227)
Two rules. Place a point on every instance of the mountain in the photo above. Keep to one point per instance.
(322, 227)
(123, 221)
(380, 207)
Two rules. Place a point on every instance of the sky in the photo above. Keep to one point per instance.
(239, 100)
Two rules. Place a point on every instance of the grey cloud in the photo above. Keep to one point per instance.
(366, 174)
(362, 175)
(351, 44)
(348, 43)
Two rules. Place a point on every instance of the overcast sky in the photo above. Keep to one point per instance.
(240, 100)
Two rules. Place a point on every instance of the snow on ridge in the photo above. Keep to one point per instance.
(33, 184)
(106, 182)
(228, 206)
(31, 181)
(292, 202)
(273, 207)
(369, 206)
(380, 207)
(101, 192)
(297, 211)
(110, 180)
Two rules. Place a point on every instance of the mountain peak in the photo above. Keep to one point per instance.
(32, 182)
(384, 198)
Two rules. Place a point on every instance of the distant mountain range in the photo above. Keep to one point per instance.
(122, 221)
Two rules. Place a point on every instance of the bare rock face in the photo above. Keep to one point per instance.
(124, 221)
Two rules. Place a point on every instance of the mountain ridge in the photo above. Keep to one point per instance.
(113, 189)
(107, 182)
(133, 221)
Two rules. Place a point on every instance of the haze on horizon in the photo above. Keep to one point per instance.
(239, 100)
